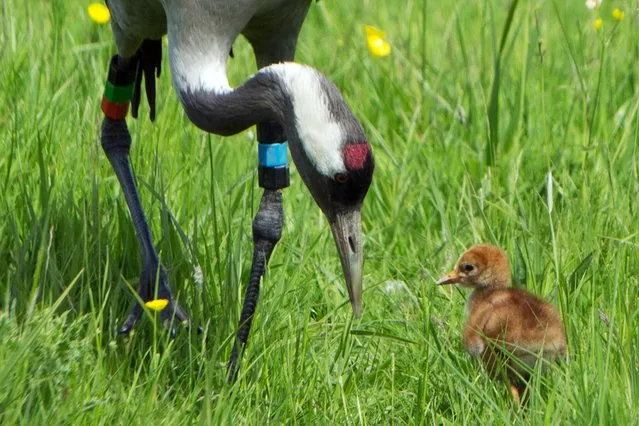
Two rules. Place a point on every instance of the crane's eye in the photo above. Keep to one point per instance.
(341, 177)
(468, 267)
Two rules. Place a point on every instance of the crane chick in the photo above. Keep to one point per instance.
(509, 328)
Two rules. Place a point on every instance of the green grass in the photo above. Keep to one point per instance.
(551, 102)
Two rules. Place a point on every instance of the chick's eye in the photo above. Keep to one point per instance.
(468, 267)
(341, 177)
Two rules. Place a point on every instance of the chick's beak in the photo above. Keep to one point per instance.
(450, 278)
(347, 232)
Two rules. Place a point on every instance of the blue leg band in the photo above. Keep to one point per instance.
(273, 154)
(273, 165)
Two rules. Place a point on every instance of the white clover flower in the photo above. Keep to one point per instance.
(593, 4)
(394, 286)
(198, 276)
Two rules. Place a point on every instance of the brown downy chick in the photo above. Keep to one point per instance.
(502, 320)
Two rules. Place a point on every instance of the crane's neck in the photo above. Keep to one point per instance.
(309, 108)
(224, 111)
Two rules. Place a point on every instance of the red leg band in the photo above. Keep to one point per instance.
(113, 110)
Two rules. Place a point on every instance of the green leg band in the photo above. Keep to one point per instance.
(118, 94)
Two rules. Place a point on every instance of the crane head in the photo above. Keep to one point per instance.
(335, 161)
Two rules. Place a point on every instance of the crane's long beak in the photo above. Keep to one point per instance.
(450, 278)
(347, 231)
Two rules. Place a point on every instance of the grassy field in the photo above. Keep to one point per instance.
(522, 131)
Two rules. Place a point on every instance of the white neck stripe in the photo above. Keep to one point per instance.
(320, 135)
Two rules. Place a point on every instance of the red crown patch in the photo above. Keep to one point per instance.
(355, 155)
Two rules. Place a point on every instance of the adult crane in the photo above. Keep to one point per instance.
(288, 102)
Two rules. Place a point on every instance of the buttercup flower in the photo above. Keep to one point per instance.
(597, 24)
(593, 4)
(99, 13)
(618, 14)
(157, 304)
(376, 41)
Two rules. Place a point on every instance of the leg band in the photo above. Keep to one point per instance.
(273, 154)
(118, 89)
(273, 172)
(273, 178)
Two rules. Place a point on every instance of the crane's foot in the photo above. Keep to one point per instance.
(170, 315)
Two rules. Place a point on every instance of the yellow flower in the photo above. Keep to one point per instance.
(99, 13)
(618, 14)
(157, 304)
(376, 41)
(598, 24)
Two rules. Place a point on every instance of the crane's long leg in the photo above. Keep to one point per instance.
(273, 165)
(514, 391)
(116, 142)
(267, 227)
